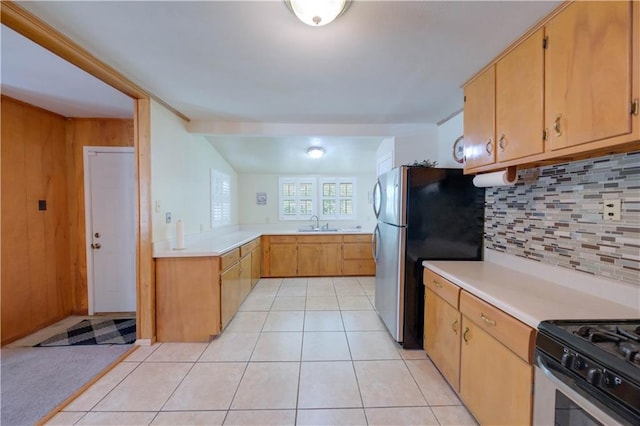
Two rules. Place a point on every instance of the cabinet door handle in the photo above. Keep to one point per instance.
(502, 143)
(556, 125)
(454, 326)
(489, 146)
(464, 335)
(437, 284)
(489, 321)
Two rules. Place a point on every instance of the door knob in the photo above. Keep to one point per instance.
(96, 246)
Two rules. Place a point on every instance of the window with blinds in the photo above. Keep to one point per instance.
(338, 198)
(220, 199)
(329, 198)
(297, 197)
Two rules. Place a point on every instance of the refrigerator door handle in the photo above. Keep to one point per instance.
(377, 196)
(374, 243)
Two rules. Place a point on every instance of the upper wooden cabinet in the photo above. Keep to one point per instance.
(479, 119)
(519, 100)
(574, 79)
(589, 74)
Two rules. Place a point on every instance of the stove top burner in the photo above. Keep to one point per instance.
(623, 340)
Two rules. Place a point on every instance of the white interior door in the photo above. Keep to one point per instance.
(111, 231)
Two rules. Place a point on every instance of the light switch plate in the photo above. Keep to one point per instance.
(611, 210)
(167, 217)
(158, 207)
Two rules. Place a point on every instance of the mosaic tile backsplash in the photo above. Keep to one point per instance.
(554, 215)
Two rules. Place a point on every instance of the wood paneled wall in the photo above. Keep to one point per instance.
(44, 266)
(83, 132)
(36, 286)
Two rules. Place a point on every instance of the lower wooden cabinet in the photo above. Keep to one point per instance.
(495, 384)
(256, 264)
(442, 324)
(187, 299)
(320, 256)
(196, 297)
(230, 293)
(485, 354)
(357, 255)
(281, 257)
(317, 255)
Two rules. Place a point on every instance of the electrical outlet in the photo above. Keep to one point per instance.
(611, 210)
(167, 217)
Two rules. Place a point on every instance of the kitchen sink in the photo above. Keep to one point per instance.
(318, 230)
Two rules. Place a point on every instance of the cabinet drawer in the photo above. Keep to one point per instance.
(442, 287)
(245, 249)
(357, 251)
(509, 331)
(275, 239)
(363, 267)
(313, 239)
(366, 238)
(229, 259)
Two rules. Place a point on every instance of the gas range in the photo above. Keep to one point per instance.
(601, 358)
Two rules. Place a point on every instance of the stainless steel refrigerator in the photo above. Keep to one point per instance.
(423, 214)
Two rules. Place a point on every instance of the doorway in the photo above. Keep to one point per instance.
(110, 217)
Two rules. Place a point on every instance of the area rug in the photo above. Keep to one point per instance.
(34, 381)
(95, 332)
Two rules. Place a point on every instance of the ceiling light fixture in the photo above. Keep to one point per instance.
(315, 152)
(317, 12)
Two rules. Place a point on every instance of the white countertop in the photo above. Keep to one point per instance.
(217, 244)
(531, 299)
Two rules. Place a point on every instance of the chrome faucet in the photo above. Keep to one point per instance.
(317, 221)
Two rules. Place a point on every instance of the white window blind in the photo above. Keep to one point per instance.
(220, 199)
(298, 197)
(329, 198)
(338, 198)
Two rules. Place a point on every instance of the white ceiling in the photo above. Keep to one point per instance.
(381, 62)
(38, 77)
(288, 155)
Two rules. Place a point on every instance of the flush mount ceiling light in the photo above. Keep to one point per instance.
(315, 152)
(317, 12)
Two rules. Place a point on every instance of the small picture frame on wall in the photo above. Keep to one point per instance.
(458, 150)
(261, 198)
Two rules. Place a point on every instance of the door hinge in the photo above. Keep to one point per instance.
(545, 42)
(464, 99)
(635, 107)
(544, 134)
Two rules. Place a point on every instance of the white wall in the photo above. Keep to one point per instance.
(409, 149)
(449, 131)
(252, 214)
(180, 170)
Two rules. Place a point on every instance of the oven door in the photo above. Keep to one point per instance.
(559, 401)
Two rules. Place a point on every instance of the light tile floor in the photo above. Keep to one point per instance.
(299, 351)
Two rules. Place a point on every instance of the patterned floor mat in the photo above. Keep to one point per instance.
(96, 332)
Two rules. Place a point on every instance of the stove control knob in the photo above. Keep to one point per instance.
(610, 381)
(567, 360)
(578, 363)
(594, 376)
